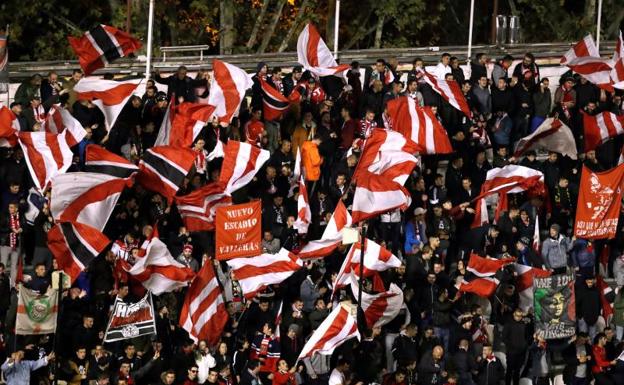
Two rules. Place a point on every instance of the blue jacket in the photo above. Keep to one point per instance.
(414, 238)
(581, 256)
(18, 373)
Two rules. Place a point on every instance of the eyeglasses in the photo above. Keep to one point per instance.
(193, 371)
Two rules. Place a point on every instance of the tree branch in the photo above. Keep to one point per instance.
(268, 34)
(256, 27)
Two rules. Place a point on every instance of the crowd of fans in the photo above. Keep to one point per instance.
(441, 336)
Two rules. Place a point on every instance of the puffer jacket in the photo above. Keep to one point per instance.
(554, 252)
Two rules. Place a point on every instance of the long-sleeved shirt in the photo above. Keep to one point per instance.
(18, 373)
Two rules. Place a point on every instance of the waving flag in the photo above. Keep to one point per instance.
(607, 297)
(332, 236)
(164, 168)
(241, 163)
(85, 197)
(198, 209)
(110, 96)
(450, 91)
(254, 274)
(313, 54)
(481, 280)
(385, 164)
(600, 128)
(339, 326)
(47, 155)
(551, 135)
(101, 161)
(4, 62)
(420, 125)
(101, 46)
(75, 245)
(158, 271)
(58, 120)
(376, 259)
(274, 104)
(182, 127)
(381, 308)
(617, 73)
(9, 127)
(503, 181)
(227, 90)
(304, 215)
(203, 313)
(584, 59)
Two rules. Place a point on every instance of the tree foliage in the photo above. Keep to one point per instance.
(39, 28)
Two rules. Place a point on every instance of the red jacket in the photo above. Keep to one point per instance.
(600, 359)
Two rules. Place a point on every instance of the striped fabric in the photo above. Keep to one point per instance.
(47, 155)
(110, 96)
(339, 326)
(600, 128)
(241, 163)
(101, 161)
(227, 90)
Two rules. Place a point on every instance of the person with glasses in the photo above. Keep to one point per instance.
(191, 378)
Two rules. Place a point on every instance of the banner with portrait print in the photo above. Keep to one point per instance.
(554, 306)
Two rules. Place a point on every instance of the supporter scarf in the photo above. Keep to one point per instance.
(567, 97)
(39, 114)
(15, 225)
(200, 161)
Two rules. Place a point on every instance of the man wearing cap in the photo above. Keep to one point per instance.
(526, 255)
(415, 236)
(17, 109)
(186, 258)
(28, 89)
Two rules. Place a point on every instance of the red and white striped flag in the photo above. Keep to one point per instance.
(304, 214)
(47, 155)
(241, 163)
(9, 127)
(99, 160)
(617, 73)
(339, 326)
(102, 45)
(524, 283)
(314, 56)
(254, 274)
(58, 120)
(376, 259)
(4, 53)
(450, 91)
(600, 128)
(203, 313)
(420, 125)
(180, 128)
(85, 197)
(74, 245)
(381, 308)
(584, 59)
(164, 168)
(274, 104)
(486, 267)
(158, 271)
(385, 164)
(198, 209)
(109, 95)
(332, 236)
(227, 90)
(503, 181)
(551, 135)
(584, 48)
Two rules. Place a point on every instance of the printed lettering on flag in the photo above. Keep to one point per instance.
(554, 306)
(238, 230)
(131, 320)
(599, 203)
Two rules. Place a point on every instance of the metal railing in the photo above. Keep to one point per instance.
(184, 48)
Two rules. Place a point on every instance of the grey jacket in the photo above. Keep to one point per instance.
(555, 252)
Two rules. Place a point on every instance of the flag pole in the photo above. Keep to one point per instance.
(6, 32)
(361, 317)
(150, 28)
(336, 27)
(471, 23)
(598, 22)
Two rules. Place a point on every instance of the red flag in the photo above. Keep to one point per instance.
(102, 45)
(198, 209)
(186, 123)
(314, 56)
(607, 297)
(163, 169)
(9, 127)
(599, 202)
(228, 90)
(450, 91)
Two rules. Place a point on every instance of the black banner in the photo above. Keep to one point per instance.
(553, 303)
(130, 320)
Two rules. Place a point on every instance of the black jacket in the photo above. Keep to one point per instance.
(515, 336)
(588, 303)
(490, 372)
(181, 87)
